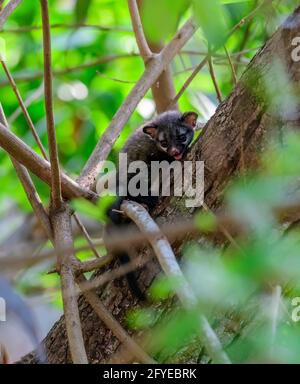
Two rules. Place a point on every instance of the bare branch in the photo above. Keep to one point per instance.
(274, 315)
(4, 357)
(56, 195)
(115, 274)
(168, 262)
(67, 71)
(23, 108)
(39, 166)
(92, 265)
(8, 10)
(35, 95)
(234, 76)
(115, 327)
(141, 40)
(61, 222)
(153, 70)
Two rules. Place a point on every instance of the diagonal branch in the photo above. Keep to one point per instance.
(168, 262)
(113, 324)
(56, 194)
(39, 166)
(23, 108)
(29, 188)
(66, 71)
(35, 95)
(155, 67)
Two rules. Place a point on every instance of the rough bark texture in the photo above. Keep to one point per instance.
(244, 120)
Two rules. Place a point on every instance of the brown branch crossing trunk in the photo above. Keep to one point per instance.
(244, 114)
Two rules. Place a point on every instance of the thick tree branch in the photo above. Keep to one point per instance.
(61, 222)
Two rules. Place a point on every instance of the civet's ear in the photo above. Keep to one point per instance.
(150, 129)
(190, 118)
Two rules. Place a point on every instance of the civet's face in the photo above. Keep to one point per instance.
(172, 132)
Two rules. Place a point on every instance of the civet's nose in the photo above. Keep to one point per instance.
(174, 151)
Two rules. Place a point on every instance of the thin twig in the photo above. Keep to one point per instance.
(108, 276)
(274, 315)
(153, 70)
(168, 262)
(24, 109)
(56, 194)
(214, 79)
(29, 187)
(248, 18)
(189, 81)
(141, 40)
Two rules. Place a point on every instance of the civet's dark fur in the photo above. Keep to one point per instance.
(166, 137)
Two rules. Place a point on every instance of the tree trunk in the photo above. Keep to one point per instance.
(229, 144)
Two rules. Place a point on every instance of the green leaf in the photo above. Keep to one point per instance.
(212, 18)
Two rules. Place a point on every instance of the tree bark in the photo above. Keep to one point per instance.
(229, 144)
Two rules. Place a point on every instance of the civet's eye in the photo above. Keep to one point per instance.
(164, 143)
(181, 138)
